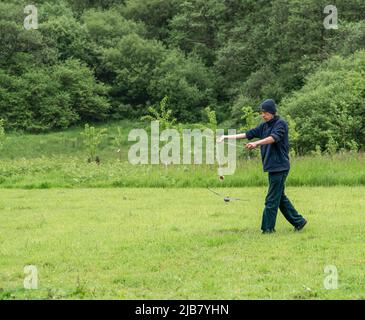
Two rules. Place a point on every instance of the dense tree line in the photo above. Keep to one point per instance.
(96, 60)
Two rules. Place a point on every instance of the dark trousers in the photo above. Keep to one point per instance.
(276, 199)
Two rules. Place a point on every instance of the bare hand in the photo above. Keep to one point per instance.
(220, 139)
(251, 145)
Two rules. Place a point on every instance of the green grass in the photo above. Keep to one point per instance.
(65, 143)
(156, 232)
(75, 172)
(58, 160)
(179, 243)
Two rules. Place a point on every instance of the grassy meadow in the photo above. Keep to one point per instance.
(59, 160)
(179, 244)
(117, 231)
(77, 76)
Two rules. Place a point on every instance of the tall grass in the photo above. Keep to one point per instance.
(59, 159)
(69, 172)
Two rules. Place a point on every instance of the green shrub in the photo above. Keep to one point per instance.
(329, 110)
(52, 98)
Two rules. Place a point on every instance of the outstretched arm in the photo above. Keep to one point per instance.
(250, 134)
(231, 137)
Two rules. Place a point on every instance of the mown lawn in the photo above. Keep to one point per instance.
(179, 244)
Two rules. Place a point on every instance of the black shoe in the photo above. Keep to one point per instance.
(301, 226)
(268, 231)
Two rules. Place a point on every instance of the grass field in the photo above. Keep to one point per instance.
(117, 231)
(179, 244)
(66, 172)
(59, 160)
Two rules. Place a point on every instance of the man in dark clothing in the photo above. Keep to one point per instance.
(274, 144)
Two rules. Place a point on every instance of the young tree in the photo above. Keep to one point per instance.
(2, 134)
(162, 115)
(92, 138)
(118, 142)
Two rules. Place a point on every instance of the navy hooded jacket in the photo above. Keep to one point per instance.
(275, 157)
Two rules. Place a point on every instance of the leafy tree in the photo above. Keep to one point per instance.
(130, 66)
(49, 98)
(20, 48)
(187, 82)
(155, 14)
(80, 6)
(349, 38)
(96, 60)
(236, 109)
(34, 102)
(106, 28)
(195, 27)
(163, 115)
(329, 110)
(88, 96)
(67, 36)
(142, 71)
